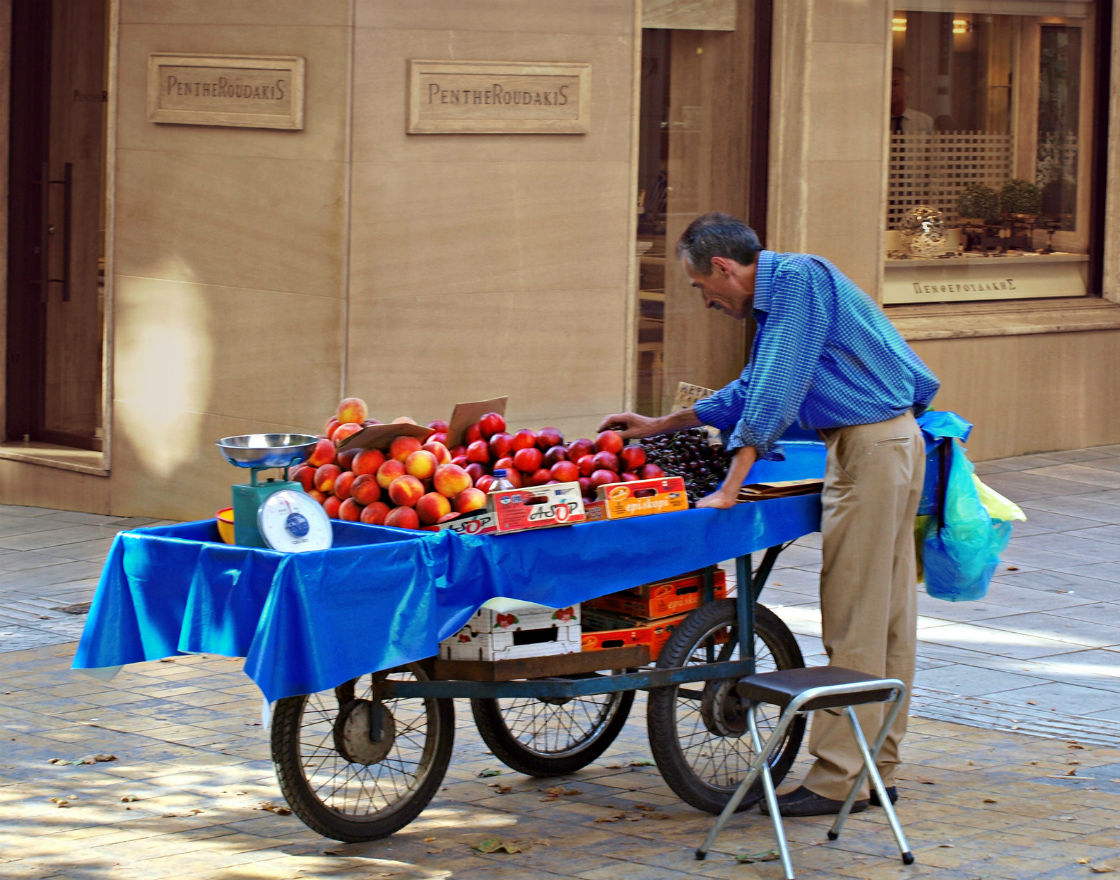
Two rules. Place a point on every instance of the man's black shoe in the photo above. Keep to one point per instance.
(892, 793)
(802, 802)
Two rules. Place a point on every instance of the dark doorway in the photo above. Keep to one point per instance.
(56, 222)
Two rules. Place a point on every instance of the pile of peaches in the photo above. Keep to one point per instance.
(416, 483)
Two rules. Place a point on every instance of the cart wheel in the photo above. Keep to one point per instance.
(356, 766)
(698, 731)
(551, 736)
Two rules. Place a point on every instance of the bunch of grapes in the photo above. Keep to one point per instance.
(689, 454)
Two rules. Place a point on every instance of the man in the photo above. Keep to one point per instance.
(906, 120)
(826, 355)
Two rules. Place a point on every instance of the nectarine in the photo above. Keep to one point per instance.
(565, 471)
(608, 441)
(527, 459)
(491, 423)
(549, 437)
(523, 439)
(470, 499)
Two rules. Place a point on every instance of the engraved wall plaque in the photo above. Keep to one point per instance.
(246, 91)
(498, 97)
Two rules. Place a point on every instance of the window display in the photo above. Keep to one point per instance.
(991, 127)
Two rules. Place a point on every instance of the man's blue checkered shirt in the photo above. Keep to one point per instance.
(824, 354)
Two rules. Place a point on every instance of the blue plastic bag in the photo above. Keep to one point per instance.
(961, 545)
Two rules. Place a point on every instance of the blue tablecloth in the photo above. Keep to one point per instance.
(304, 622)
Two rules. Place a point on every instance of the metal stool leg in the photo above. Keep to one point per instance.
(759, 767)
(869, 769)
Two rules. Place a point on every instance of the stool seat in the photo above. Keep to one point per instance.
(844, 687)
(797, 692)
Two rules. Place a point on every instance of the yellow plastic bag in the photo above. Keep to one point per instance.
(997, 506)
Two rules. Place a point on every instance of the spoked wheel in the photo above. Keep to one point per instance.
(356, 765)
(554, 735)
(698, 731)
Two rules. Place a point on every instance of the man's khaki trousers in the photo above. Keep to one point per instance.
(868, 592)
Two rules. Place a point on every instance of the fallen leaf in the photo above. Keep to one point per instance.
(613, 817)
(560, 791)
(501, 787)
(96, 759)
(129, 798)
(990, 801)
(1101, 869)
(429, 839)
(925, 781)
(60, 802)
(493, 845)
(1032, 702)
(769, 855)
(644, 762)
(490, 771)
(946, 846)
(1083, 861)
(1072, 772)
(278, 809)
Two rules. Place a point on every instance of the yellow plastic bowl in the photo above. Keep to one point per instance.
(225, 524)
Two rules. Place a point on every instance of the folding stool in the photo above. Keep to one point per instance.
(804, 690)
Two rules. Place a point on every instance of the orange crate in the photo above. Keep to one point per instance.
(653, 634)
(661, 598)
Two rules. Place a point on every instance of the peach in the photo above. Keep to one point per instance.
(346, 429)
(303, 475)
(322, 453)
(374, 513)
(450, 479)
(388, 472)
(402, 518)
(352, 409)
(403, 446)
(438, 449)
(405, 491)
(332, 506)
(350, 510)
(317, 495)
(343, 483)
(364, 489)
(367, 461)
(403, 420)
(474, 470)
(345, 458)
(421, 464)
(325, 475)
(431, 507)
(331, 424)
(470, 499)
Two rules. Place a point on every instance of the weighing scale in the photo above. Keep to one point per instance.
(274, 513)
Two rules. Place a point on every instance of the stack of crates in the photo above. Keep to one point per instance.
(645, 615)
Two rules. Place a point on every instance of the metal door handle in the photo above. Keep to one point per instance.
(67, 184)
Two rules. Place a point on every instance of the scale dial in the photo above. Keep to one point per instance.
(294, 522)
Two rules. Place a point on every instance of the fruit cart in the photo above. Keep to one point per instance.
(345, 642)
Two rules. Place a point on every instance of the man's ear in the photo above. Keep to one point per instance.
(721, 266)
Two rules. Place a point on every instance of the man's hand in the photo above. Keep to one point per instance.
(631, 426)
(720, 499)
(634, 427)
(727, 495)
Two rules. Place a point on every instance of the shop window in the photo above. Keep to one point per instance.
(991, 129)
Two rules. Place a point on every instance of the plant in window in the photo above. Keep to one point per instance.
(1020, 196)
(979, 203)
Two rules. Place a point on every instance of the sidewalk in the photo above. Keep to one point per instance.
(1013, 756)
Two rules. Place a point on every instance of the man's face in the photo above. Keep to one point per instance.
(729, 287)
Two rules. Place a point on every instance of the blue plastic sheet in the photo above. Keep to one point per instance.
(305, 622)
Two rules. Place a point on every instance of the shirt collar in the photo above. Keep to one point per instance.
(762, 277)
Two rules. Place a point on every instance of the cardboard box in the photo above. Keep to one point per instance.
(662, 598)
(557, 504)
(643, 497)
(617, 632)
(506, 629)
(483, 522)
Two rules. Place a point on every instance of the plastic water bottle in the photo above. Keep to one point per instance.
(501, 481)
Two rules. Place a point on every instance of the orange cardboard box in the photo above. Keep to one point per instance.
(654, 634)
(643, 497)
(661, 598)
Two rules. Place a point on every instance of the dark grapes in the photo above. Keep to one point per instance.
(689, 454)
